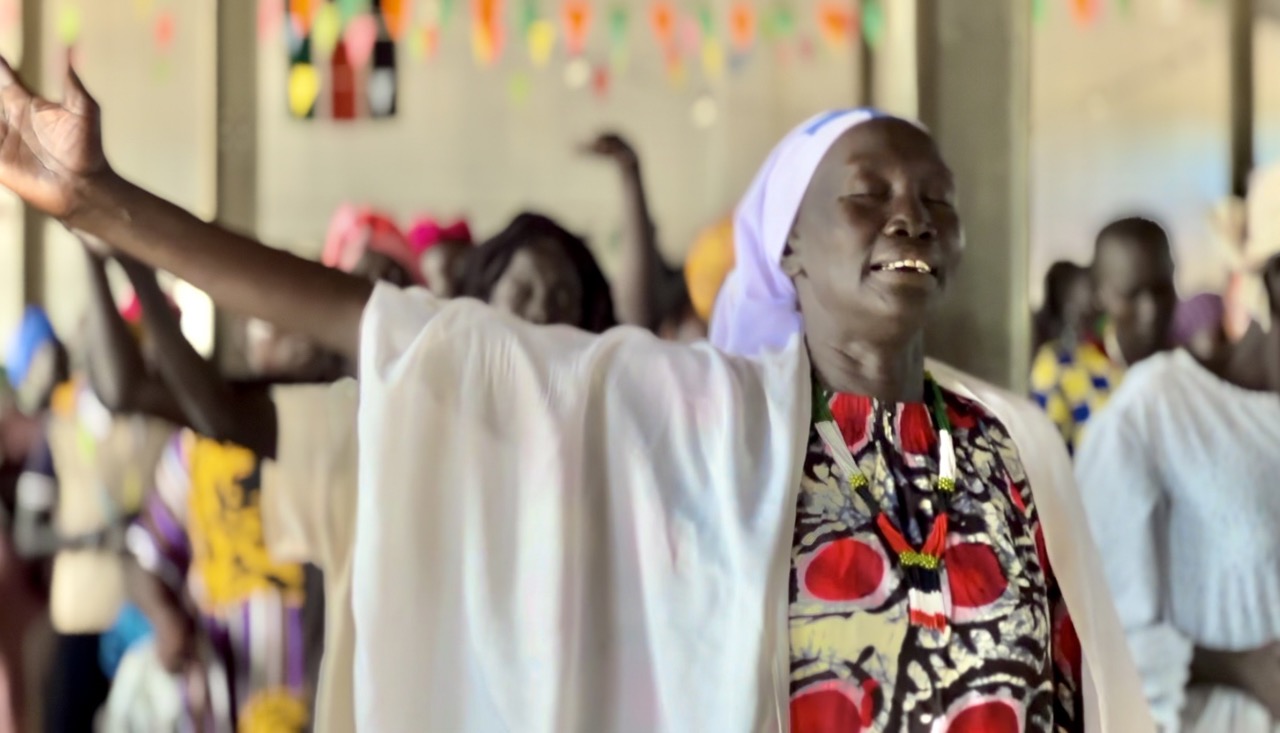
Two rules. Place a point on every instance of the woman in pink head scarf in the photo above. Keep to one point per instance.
(368, 244)
(442, 250)
(802, 525)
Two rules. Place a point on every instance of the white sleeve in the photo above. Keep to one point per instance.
(308, 489)
(1125, 502)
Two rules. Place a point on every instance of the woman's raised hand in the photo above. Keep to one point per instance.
(49, 152)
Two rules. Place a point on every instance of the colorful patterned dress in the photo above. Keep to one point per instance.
(1010, 660)
(205, 523)
(1071, 385)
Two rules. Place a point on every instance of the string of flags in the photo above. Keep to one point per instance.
(343, 54)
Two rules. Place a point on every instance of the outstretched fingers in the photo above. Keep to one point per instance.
(75, 97)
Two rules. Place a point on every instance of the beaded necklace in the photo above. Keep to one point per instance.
(923, 566)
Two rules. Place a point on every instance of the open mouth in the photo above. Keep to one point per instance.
(908, 266)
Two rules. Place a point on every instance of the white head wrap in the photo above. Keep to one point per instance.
(756, 309)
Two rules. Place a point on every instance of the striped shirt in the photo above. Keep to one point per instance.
(202, 532)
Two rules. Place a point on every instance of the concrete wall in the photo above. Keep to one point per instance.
(460, 146)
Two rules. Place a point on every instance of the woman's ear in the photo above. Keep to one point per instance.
(792, 266)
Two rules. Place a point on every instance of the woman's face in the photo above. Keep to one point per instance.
(1077, 302)
(272, 352)
(540, 285)
(444, 266)
(877, 237)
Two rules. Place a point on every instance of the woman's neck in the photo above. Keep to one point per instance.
(890, 372)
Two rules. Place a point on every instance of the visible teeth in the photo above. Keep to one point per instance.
(916, 265)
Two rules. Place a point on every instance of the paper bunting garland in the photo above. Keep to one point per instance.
(662, 19)
(342, 80)
(619, 48)
(742, 26)
(326, 29)
(712, 59)
(446, 12)
(690, 37)
(302, 12)
(304, 88)
(835, 23)
(487, 30)
(1039, 10)
(541, 38)
(1084, 11)
(600, 81)
(577, 17)
(360, 38)
(395, 13)
(782, 21)
(270, 15)
(706, 19)
(349, 9)
(424, 42)
(164, 31)
(518, 87)
(872, 22)
(577, 73)
(529, 14)
(705, 112)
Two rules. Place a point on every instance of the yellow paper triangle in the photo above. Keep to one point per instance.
(304, 88)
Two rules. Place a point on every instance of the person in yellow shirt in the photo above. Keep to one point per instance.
(1073, 375)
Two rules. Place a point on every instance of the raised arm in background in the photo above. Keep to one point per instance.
(211, 406)
(51, 156)
(644, 291)
(117, 370)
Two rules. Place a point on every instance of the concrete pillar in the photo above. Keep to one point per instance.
(31, 71)
(237, 185)
(973, 71)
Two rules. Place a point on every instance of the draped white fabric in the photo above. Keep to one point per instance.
(559, 532)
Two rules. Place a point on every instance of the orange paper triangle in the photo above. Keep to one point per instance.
(1085, 11)
(742, 25)
(662, 17)
(487, 30)
(303, 11)
(835, 22)
(396, 15)
(577, 24)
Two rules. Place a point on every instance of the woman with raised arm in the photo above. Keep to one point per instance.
(798, 526)
(650, 293)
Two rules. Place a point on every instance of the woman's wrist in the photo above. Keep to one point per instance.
(99, 201)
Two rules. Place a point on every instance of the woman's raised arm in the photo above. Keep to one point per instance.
(51, 156)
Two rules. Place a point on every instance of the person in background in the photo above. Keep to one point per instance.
(1178, 480)
(229, 620)
(25, 638)
(537, 270)
(1199, 326)
(368, 243)
(278, 514)
(1067, 315)
(649, 293)
(81, 486)
(1227, 226)
(1134, 291)
(37, 362)
(442, 250)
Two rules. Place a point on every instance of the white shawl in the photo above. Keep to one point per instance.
(559, 532)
